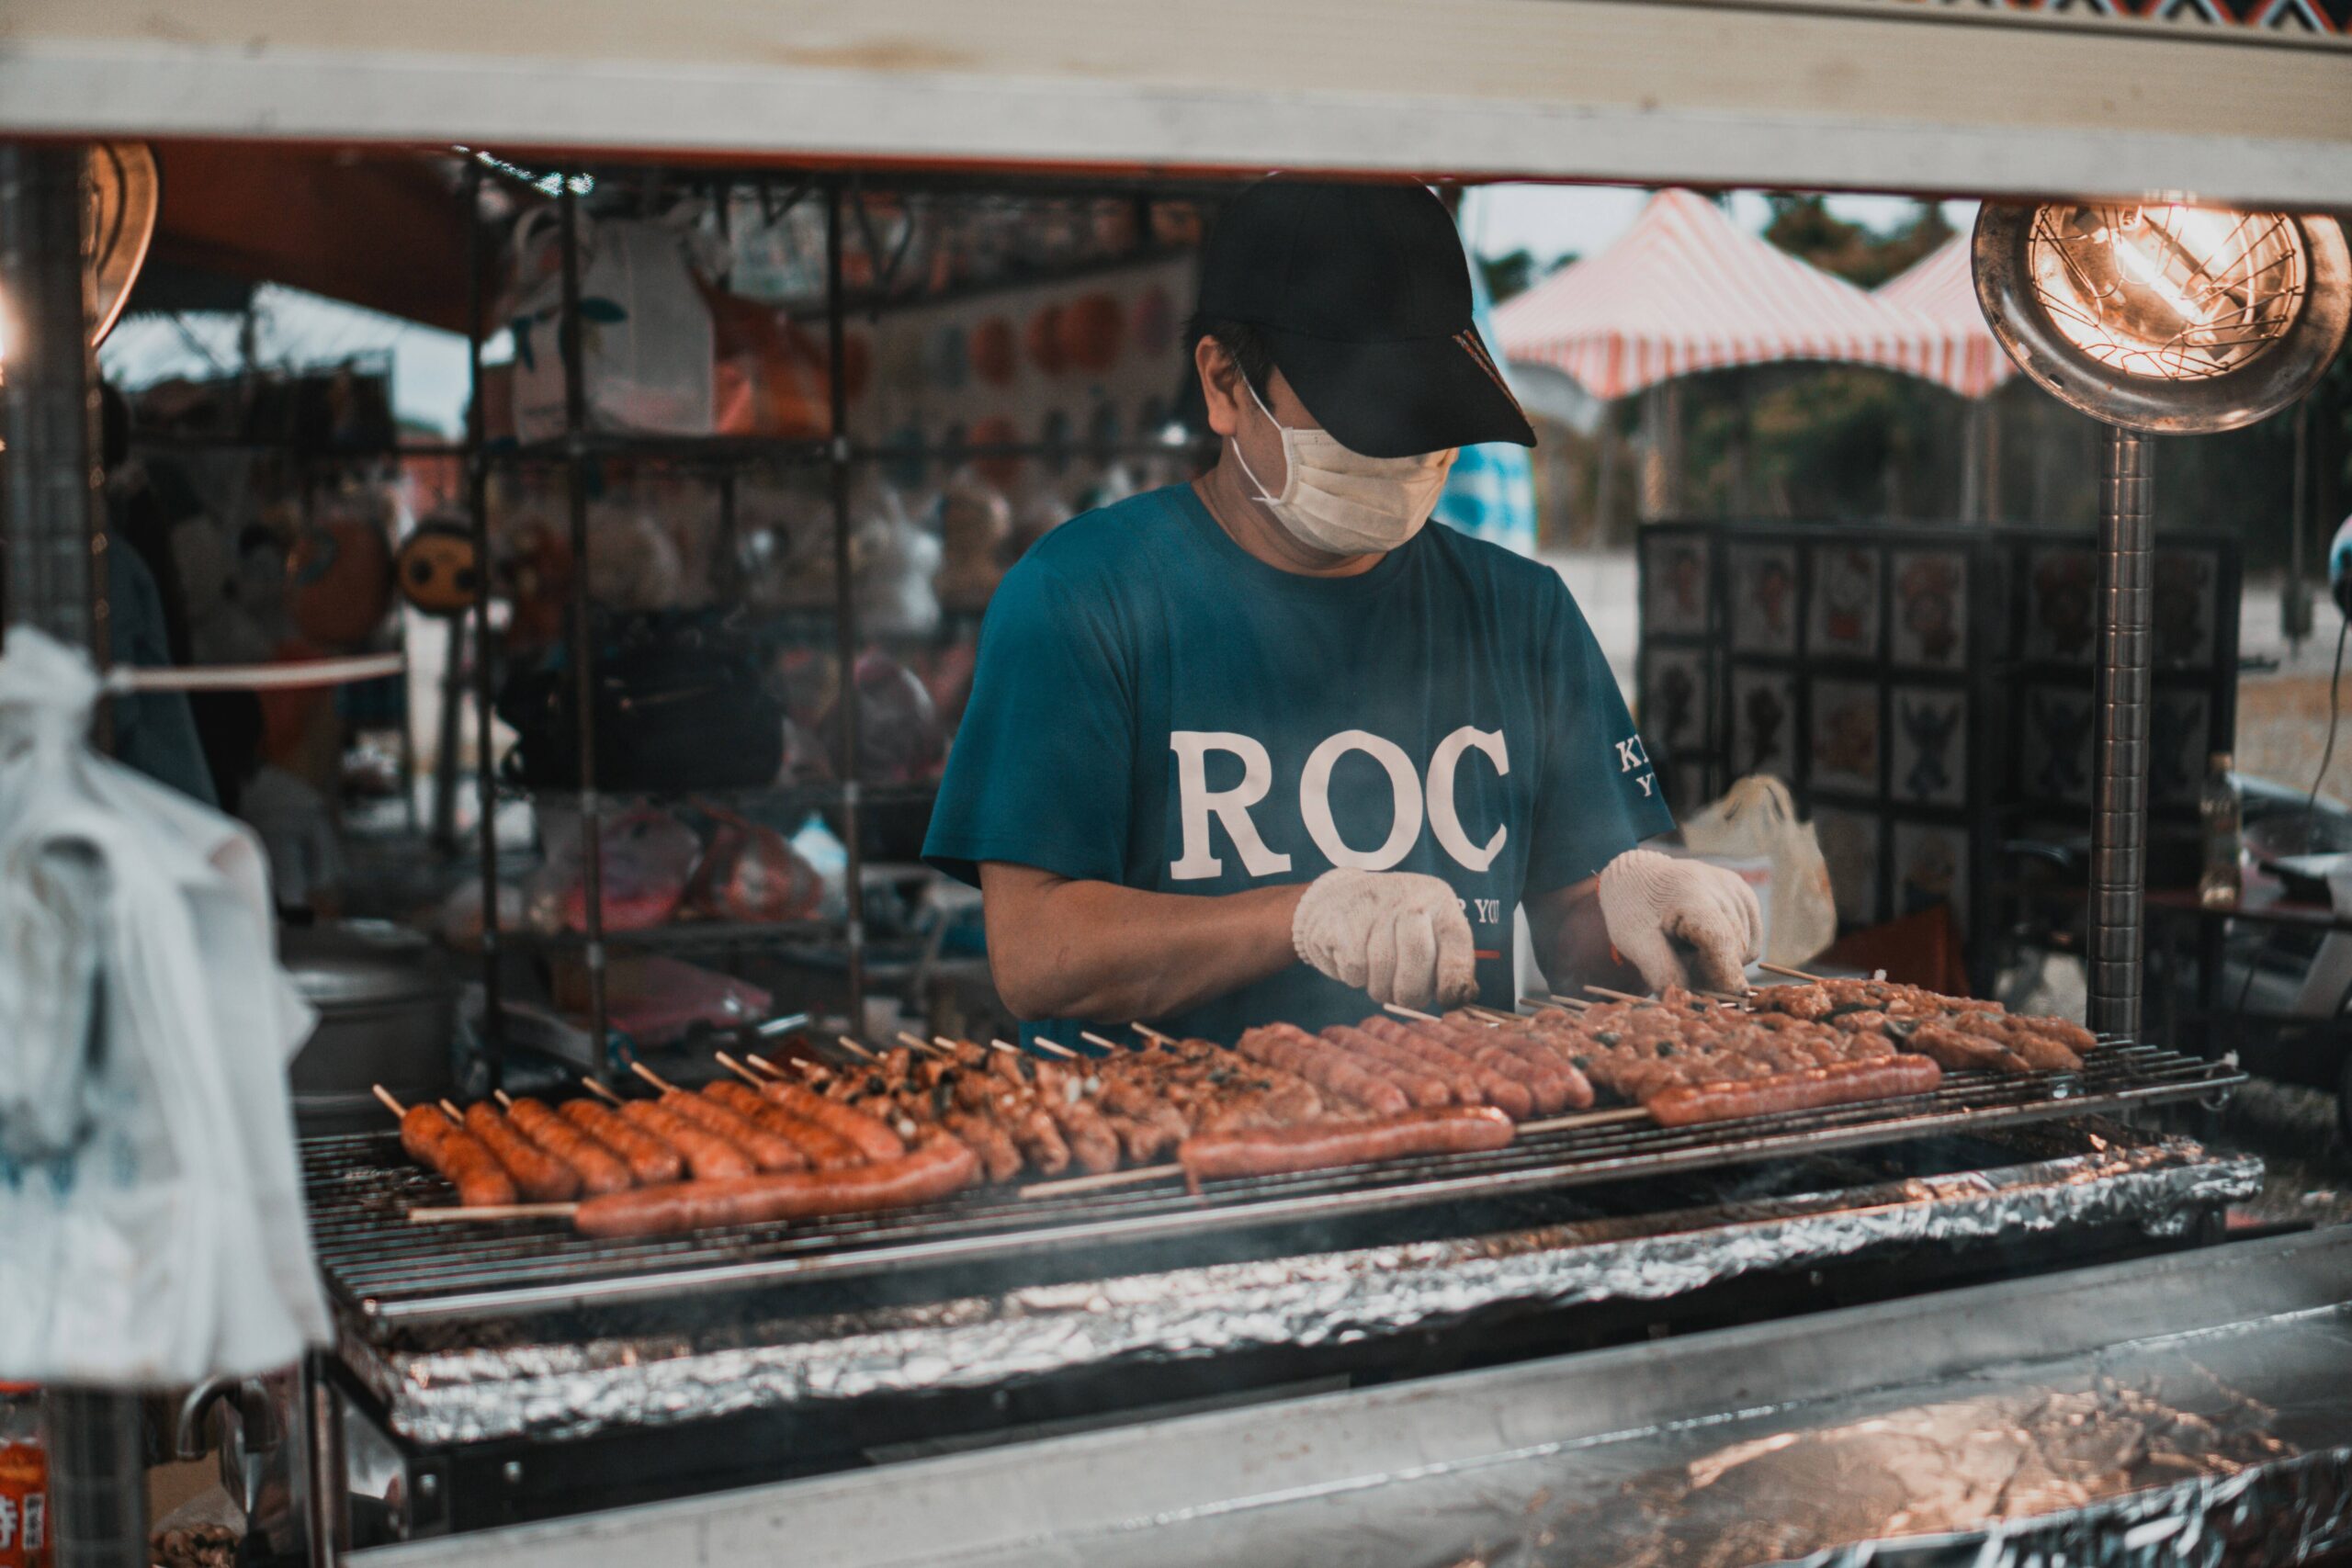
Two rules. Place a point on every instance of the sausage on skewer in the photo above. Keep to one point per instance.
(938, 1167)
(707, 1157)
(539, 1176)
(599, 1168)
(821, 1148)
(650, 1160)
(440, 1145)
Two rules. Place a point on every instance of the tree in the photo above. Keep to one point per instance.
(1805, 228)
(1508, 274)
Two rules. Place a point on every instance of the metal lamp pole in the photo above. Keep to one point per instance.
(2119, 806)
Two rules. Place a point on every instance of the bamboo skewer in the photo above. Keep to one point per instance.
(1050, 1048)
(1413, 1013)
(1618, 995)
(856, 1050)
(1153, 1034)
(1133, 1176)
(764, 1064)
(453, 1113)
(489, 1212)
(1792, 974)
(1587, 1119)
(394, 1106)
(740, 1070)
(505, 1100)
(599, 1090)
(649, 1075)
(1575, 1003)
(1094, 1039)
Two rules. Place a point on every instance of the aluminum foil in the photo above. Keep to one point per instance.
(455, 1389)
(2233, 1447)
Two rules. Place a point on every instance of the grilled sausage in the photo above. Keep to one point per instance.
(1681, 1105)
(999, 1155)
(874, 1140)
(1503, 1090)
(1322, 1145)
(1964, 1052)
(768, 1151)
(539, 1175)
(441, 1146)
(820, 1148)
(651, 1161)
(598, 1168)
(938, 1167)
(1406, 1069)
(1542, 1065)
(1323, 1064)
(708, 1156)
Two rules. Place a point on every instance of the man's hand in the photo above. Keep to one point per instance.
(1398, 935)
(1652, 901)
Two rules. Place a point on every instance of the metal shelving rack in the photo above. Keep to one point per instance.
(579, 449)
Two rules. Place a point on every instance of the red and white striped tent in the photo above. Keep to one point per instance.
(1942, 286)
(1686, 290)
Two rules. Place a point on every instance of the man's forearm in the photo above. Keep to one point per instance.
(1572, 942)
(1066, 949)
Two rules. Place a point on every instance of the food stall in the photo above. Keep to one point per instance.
(1614, 1326)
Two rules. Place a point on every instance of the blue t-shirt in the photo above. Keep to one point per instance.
(1154, 706)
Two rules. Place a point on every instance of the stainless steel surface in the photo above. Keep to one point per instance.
(359, 1188)
(2224, 1366)
(2266, 384)
(386, 1007)
(49, 518)
(2119, 766)
(550, 1383)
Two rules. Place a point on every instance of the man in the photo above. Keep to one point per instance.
(1264, 748)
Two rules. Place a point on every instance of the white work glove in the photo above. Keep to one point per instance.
(1398, 935)
(1651, 901)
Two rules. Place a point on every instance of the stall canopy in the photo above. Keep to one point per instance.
(1686, 290)
(1941, 287)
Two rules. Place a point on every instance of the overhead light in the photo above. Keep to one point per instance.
(2164, 316)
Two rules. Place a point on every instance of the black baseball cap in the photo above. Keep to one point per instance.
(1362, 294)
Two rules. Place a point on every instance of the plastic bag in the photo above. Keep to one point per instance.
(645, 331)
(645, 859)
(153, 1218)
(750, 873)
(1755, 818)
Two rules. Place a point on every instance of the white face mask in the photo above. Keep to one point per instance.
(1342, 502)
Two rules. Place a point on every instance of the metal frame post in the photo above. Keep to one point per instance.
(583, 630)
(48, 507)
(844, 611)
(2119, 781)
(478, 515)
(55, 579)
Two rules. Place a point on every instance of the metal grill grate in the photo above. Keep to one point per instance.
(360, 1187)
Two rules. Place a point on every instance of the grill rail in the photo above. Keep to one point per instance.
(360, 1186)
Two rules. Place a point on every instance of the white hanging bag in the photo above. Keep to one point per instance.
(1757, 818)
(151, 1228)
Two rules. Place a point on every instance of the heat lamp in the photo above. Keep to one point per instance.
(2155, 318)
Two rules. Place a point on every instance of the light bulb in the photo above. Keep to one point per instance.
(2172, 292)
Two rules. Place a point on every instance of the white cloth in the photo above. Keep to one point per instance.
(152, 1230)
(1398, 935)
(1651, 902)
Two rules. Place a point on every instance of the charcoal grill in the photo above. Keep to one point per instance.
(514, 1369)
(388, 1270)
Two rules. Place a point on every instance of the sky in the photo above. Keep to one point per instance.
(429, 366)
(1549, 221)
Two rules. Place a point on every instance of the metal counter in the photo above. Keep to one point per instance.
(2194, 1407)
